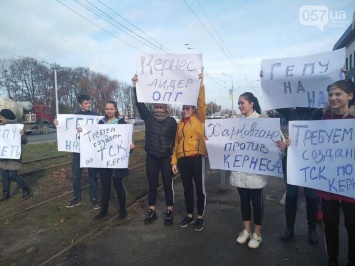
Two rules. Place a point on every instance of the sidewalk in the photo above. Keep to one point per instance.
(133, 243)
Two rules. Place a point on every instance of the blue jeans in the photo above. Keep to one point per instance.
(76, 174)
(8, 175)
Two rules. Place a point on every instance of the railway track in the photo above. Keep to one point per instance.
(55, 197)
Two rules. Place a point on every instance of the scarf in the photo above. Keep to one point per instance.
(114, 121)
(160, 116)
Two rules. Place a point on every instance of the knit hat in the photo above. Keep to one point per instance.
(8, 114)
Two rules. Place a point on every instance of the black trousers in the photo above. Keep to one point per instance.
(256, 198)
(153, 166)
(106, 180)
(331, 227)
(192, 170)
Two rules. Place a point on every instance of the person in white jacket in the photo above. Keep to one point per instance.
(250, 186)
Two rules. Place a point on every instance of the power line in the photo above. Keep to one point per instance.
(125, 29)
(135, 26)
(100, 27)
(229, 56)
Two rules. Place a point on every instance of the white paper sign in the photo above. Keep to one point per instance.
(10, 141)
(67, 135)
(300, 81)
(244, 145)
(322, 155)
(168, 78)
(105, 145)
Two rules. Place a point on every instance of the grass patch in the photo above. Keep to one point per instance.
(50, 227)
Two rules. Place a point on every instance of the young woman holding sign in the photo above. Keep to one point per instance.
(116, 174)
(250, 186)
(189, 158)
(341, 106)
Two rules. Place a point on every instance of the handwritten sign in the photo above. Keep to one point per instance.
(300, 81)
(168, 78)
(322, 155)
(10, 141)
(244, 145)
(67, 135)
(105, 146)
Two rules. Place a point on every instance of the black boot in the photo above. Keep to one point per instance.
(290, 213)
(5, 195)
(288, 233)
(26, 193)
(100, 215)
(312, 212)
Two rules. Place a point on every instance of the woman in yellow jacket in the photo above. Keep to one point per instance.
(189, 157)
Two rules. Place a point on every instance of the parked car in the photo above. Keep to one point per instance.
(135, 121)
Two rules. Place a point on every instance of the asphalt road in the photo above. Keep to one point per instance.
(37, 137)
(132, 243)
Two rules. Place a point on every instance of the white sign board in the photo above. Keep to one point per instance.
(105, 145)
(67, 135)
(245, 145)
(10, 141)
(322, 155)
(168, 78)
(300, 81)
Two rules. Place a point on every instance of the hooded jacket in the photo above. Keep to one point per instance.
(159, 135)
(328, 114)
(190, 135)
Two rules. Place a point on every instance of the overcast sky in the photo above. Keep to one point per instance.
(233, 36)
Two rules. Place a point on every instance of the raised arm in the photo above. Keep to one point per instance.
(201, 101)
(141, 107)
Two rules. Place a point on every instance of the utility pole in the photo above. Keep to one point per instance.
(231, 92)
(56, 92)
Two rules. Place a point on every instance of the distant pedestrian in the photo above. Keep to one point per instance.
(9, 167)
(250, 186)
(189, 158)
(112, 175)
(160, 130)
(84, 104)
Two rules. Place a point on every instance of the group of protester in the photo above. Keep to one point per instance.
(173, 148)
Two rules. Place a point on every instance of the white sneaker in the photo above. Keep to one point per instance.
(243, 237)
(255, 241)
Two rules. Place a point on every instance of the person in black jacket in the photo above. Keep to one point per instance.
(160, 131)
(114, 175)
(300, 113)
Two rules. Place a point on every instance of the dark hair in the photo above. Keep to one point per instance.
(115, 105)
(83, 97)
(346, 85)
(252, 99)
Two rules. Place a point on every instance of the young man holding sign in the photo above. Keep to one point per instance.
(84, 103)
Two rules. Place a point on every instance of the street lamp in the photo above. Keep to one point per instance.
(231, 91)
